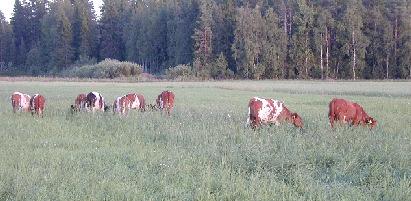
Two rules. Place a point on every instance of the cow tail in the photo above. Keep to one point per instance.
(101, 102)
(13, 104)
(248, 117)
(143, 104)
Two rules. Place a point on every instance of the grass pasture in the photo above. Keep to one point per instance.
(204, 151)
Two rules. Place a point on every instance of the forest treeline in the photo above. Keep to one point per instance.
(245, 39)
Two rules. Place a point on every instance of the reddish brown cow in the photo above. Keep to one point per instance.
(165, 101)
(20, 102)
(121, 105)
(137, 101)
(80, 102)
(37, 104)
(348, 112)
(270, 111)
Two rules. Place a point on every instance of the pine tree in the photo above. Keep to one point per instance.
(21, 32)
(321, 39)
(203, 37)
(56, 38)
(5, 42)
(85, 33)
(274, 46)
(379, 30)
(355, 41)
(112, 27)
(301, 53)
(403, 69)
(247, 45)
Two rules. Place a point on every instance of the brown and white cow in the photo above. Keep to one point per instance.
(37, 104)
(121, 105)
(270, 111)
(349, 112)
(20, 102)
(79, 103)
(165, 101)
(137, 101)
(95, 102)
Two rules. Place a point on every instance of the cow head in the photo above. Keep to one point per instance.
(296, 120)
(73, 108)
(106, 108)
(152, 107)
(370, 122)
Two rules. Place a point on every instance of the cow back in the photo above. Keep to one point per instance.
(91, 99)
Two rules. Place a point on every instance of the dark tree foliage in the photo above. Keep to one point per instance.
(5, 43)
(245, 39)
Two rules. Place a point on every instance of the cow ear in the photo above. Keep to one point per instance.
(294, 115)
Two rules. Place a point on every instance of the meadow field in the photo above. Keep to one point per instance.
(204, 151)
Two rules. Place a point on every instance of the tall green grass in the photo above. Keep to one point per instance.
(204, 151)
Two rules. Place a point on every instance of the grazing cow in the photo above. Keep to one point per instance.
(165, 101)
(95, 102)
(137, 101)
(270, 111)
(37, 104)
(348, 112)
(121, 105)
(20, 102)
(79, 103)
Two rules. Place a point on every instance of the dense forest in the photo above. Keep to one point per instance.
(245, 39)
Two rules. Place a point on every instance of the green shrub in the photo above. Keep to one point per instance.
(180, 72)
(108, 68)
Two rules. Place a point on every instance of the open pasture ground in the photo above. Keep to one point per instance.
(204, 151)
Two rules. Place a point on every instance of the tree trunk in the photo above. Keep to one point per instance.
(289, 24)
(285, 21)
(327, 40)
(321, 57)
(306, 55)
(337, 70)
(305, 66)
(395, 38)
(353, 63)
(386, 66)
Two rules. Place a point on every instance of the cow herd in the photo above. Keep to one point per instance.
(24, 102)
(260, 110)
(270, 111)
(93, 102)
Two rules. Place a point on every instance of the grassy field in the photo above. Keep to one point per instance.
(204, 151)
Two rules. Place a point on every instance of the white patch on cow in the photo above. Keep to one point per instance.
(248, 117)
(269, 113)
(161, 103)
(117, 105)
(33, 104)
(99, 98)
(136, 103)
(24, 101)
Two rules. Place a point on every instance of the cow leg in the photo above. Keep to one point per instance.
(255, 122)
(331, 118)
